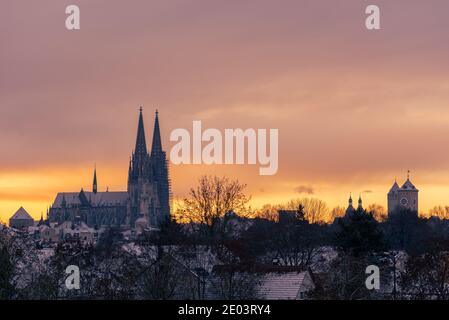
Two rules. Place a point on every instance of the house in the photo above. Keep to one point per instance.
(184, 282)
(54, 232)
(76, 231)
(288, 285)
(21, 219)
(287, 216)
(264, 282)
(48, 234)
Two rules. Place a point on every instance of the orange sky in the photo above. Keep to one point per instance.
(354, 108)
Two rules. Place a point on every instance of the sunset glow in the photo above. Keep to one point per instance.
(355, 110)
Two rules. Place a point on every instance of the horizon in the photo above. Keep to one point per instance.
(355, 109)
(255, 204)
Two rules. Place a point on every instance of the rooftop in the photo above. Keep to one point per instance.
(21, 214)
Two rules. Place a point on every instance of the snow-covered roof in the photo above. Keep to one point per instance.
(282, 286)
(95, 199)
(21, 214)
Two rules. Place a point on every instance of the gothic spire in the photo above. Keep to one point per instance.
(141, 145)
(94, 186)
(157, 145)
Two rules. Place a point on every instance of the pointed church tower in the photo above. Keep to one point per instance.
(94, 185)
(359, 206)
(139, 168)
(141, 145)
(350, 210)
(408, 196)
(156, 147)
(393, 198)
(160, 169)
(138, 174)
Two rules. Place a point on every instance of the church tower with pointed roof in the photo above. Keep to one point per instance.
(350, 210)
(392, 197)
(160, 171)
(94, 184)
(359, 204)
(404, 197)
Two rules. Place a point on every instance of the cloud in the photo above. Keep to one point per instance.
(367, 191)
(305, 189)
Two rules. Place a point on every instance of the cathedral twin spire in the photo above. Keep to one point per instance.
(140, 150)
(139, 165)
(149, 168)
(141, 145)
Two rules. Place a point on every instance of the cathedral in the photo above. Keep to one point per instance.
(145, 204)
(405, 197)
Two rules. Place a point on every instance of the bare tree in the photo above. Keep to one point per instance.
(234, 285)
(18, 264)
(426, 276)
(209, 202)
(440, 212)
(268, 212)
(378, 211)
(315, 210)
(345, 280)
(337, 212)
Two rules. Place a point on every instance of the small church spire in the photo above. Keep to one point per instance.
(156, 147)
(94, 186)
(360, 202)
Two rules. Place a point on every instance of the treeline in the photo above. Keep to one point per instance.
(210, 255)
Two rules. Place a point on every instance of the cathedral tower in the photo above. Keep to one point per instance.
(160, 171)
(148, 184)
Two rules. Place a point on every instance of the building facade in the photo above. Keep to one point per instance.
(147, 198)
(403, 198)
